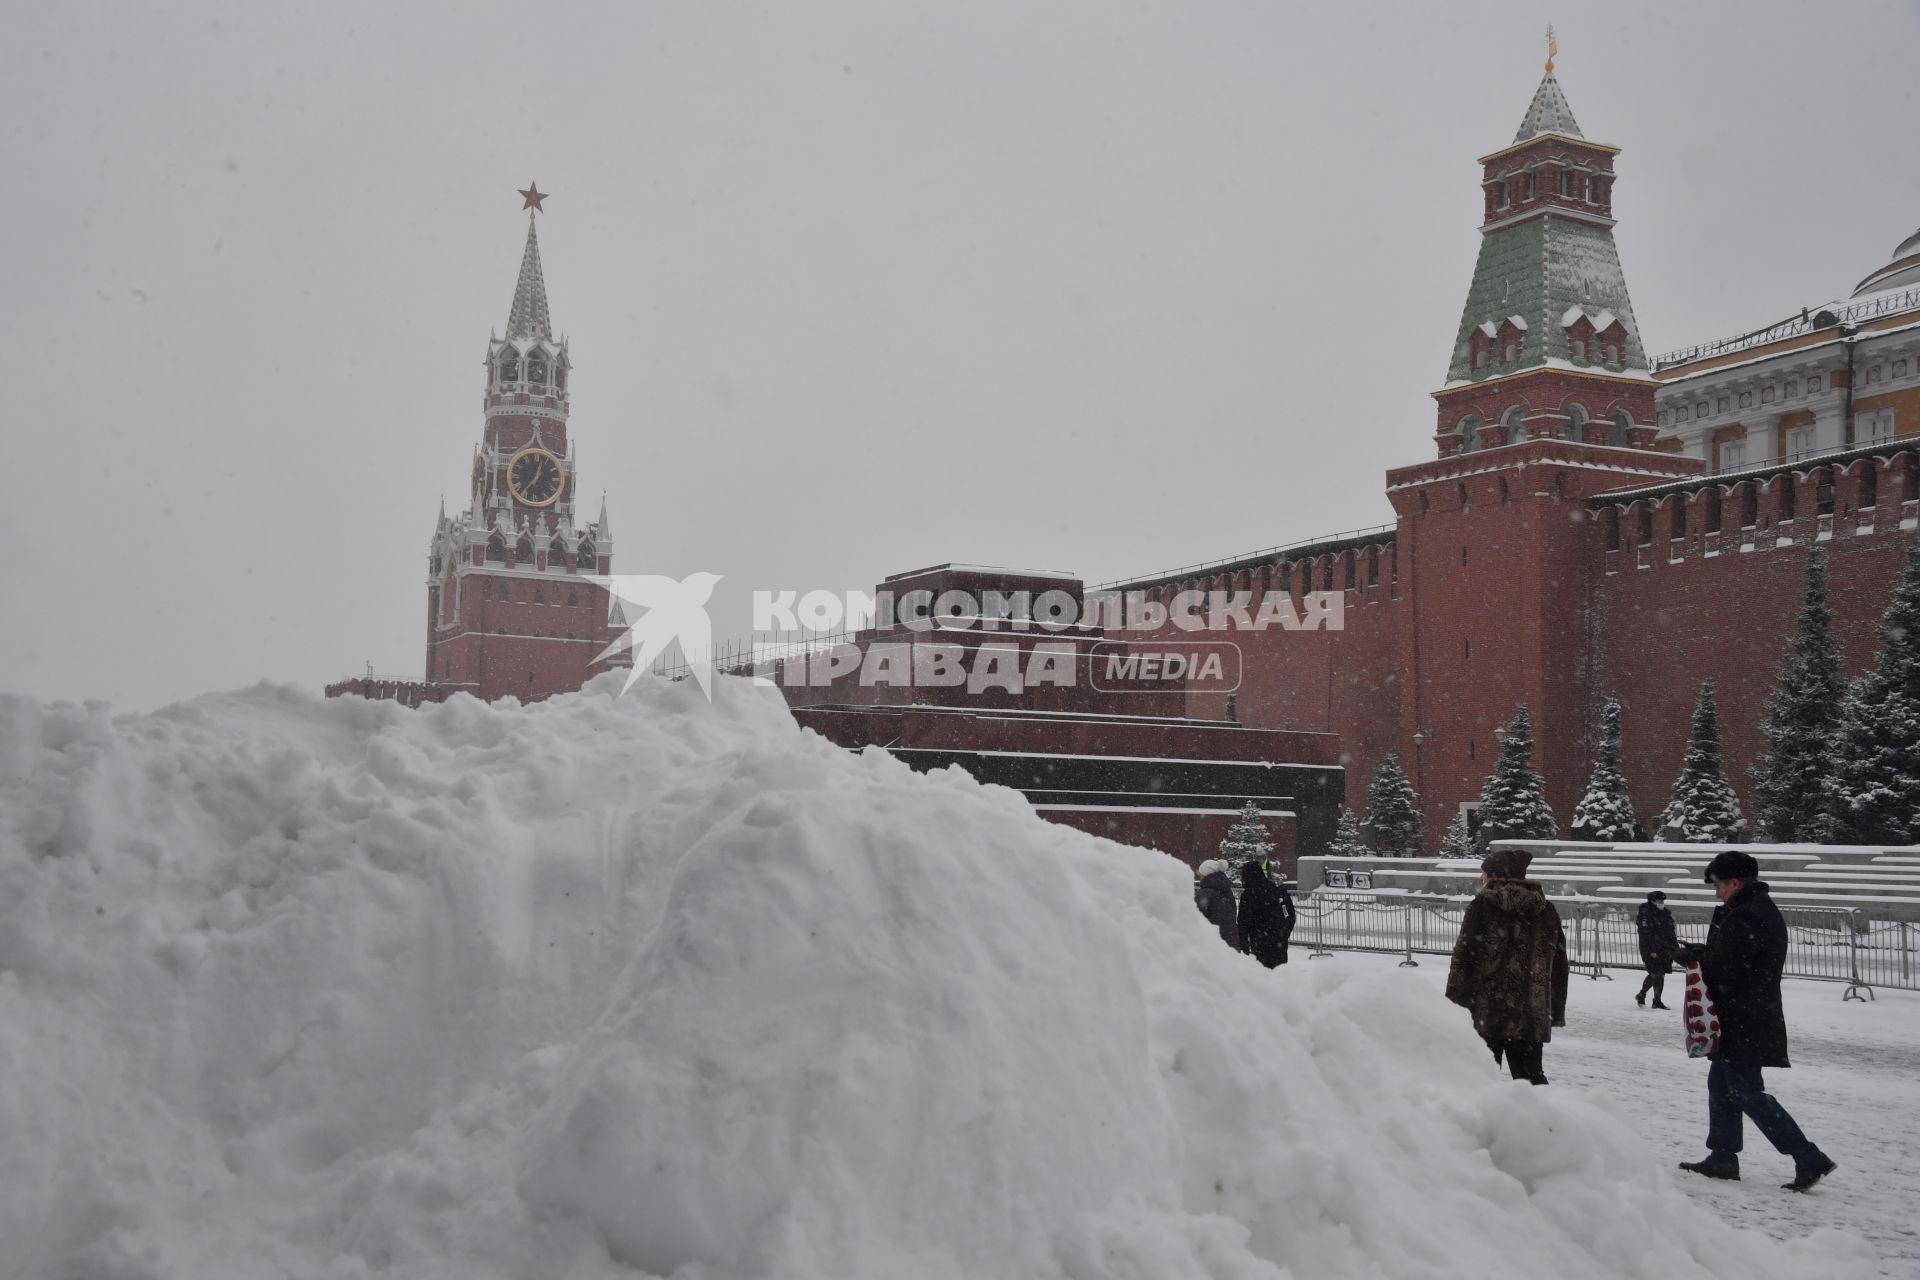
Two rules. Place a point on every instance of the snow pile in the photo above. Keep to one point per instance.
(608, 986)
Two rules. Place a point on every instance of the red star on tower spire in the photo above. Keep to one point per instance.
(533, 195)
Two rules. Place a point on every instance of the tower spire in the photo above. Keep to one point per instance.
(1549, 112)
(528, 318)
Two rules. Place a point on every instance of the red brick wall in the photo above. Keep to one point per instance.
(1722, 606)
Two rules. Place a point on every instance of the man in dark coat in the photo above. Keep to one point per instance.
(1745, 951)
(1510, 965)
(1658, 945)
(1213, 894)
(1266, 913)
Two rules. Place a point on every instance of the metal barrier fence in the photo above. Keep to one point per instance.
(1827, 945)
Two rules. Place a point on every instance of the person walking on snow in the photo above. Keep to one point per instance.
(1213, 894)
(1658, 946)
(1266, 913)
(1741, 961)
(1510, 965)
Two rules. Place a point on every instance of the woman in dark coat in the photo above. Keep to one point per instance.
(1266, 914)
(1510, 965)
(1658, 946)
(1213, 894)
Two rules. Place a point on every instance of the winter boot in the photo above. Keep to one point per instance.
(1658, 1005)
(1805, 1175)
(1718, 1166)
(1641, 999)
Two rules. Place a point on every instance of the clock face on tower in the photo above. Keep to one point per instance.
(535, 477)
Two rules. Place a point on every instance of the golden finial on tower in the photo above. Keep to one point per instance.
(1553, 47)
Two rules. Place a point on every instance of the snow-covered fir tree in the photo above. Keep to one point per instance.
(1346, 838)
(1513, 801)
(1246, 839)
(1393, 823)
(1458, 842)
(1789, 778)
(1873, 793)
(1606, 812)
(1704, 809)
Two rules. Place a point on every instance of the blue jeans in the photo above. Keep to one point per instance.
(1735, 1090)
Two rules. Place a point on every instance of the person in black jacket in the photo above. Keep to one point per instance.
(1745, 951)
(1213, 894)
(1266, 913)
(1658, 945)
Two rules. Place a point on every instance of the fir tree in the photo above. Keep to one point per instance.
(1246, 839)
(1606, 812)
(1346, 838)
(1458, 842)
(1513, 801)
(1789, 778)
(1704, 808)
(1393, 823)
(1873, 793)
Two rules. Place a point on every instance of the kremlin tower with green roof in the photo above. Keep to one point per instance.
(1547, 347)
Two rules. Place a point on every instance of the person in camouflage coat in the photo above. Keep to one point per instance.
(1510, 965)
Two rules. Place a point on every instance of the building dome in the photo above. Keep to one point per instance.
(1902, 269)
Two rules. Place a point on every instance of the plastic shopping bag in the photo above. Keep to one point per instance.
(1701, 1022)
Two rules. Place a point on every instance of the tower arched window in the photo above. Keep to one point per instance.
(573, 597)
(1618, 435)
(1469, 432)
(1577, 423)
(496, 549)
(509, 365)
(536, 367)
(588, 561)
(560, 375)
(539, 596)
(523, 552)
(1514, 422)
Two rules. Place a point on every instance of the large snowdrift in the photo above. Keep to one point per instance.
(611, 985)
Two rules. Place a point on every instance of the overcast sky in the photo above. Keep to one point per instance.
(852, 288)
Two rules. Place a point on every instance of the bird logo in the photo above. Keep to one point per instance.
(671, 611)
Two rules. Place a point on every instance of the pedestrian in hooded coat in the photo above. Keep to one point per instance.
(1266, 913)
(1658, 945)
(1213, 894)
(1741, 962)
(1510, 965)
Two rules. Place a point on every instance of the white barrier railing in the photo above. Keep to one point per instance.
(1826, 945)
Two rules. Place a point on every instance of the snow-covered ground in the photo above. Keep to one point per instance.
(647, 986)
(1854, 1087)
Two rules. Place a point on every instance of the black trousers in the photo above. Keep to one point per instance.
(1735, 1090)
(1656, 982)
(1524, 1058)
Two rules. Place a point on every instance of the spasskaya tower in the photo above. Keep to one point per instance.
(508, 613)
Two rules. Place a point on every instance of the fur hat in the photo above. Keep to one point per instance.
(1506, 864)
(1657, 896)
(1732, 865)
